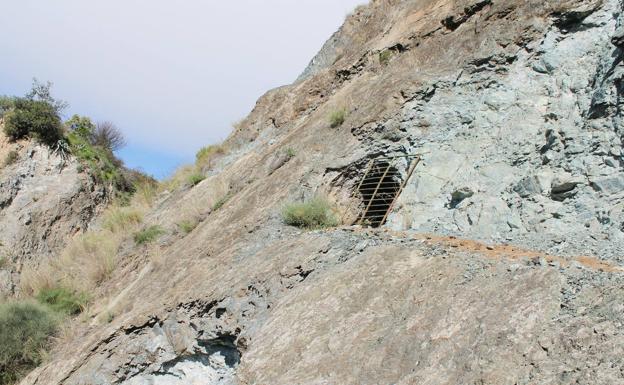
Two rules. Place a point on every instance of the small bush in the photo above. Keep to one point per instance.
(313, 214)
(25, 330)
(35, 118)
(101, 162)
(187, 226)
(195, 178)
(385, 56)
(148, 235)
(81, 125)
(63, 300)
(290, 152)
(11, 157)
(337, 118)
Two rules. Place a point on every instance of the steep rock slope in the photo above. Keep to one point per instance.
(515, 107)
(44, 201)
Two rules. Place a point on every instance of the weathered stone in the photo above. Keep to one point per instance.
(609, 185)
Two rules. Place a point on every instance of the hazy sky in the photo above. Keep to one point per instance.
(173, 75)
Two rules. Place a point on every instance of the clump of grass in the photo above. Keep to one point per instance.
(4, 262)
(337, 118)
(313, 214)
(205, 155)
(11, 157)
(63, 300)
(187, 226)
(148, 235)
(25, 331)
(119, 219)
(218, 204)
(290, 152)
(385, 56)
(195, 178)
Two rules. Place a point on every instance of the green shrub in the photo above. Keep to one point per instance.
(63, 300)
(35, 118)
(337, 118)
(25, 329)
(82, 126)
(187, 226)
(101, 162)
(148, 235)
(195, 178)
(290, 152)
(11, 157)
(7, 103)
(313, 214)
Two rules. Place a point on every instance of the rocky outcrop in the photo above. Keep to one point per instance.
(44, 201)
(516, 110)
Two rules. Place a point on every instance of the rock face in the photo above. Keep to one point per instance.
(516, 109)
(44, 200)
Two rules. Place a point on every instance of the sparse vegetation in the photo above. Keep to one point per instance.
(4, 262)
(121, 219)
(205, 156)
(25, 331)
(313, 214)
(193, 174)
(385, 56)
(90, 259)
(148, 235)
(10, 158)
(63, 300)
(290, 152)
(337, 118)
(222, 201)
(195, 178)
(187, 226)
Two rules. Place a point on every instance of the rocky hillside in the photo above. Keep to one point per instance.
(500, 264)
(44, 201)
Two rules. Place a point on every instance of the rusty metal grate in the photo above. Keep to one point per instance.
(380, 187)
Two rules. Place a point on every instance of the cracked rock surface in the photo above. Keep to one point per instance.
(44, 201)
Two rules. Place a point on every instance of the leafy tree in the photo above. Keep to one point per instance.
(81, 125)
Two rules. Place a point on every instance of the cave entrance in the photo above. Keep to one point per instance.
(381, 185)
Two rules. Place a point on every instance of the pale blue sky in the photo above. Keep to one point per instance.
(172, 75)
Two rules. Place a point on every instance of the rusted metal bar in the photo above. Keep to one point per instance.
(409, 174)
(375, 192)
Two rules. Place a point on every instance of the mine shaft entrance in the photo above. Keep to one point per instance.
(380, 187)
